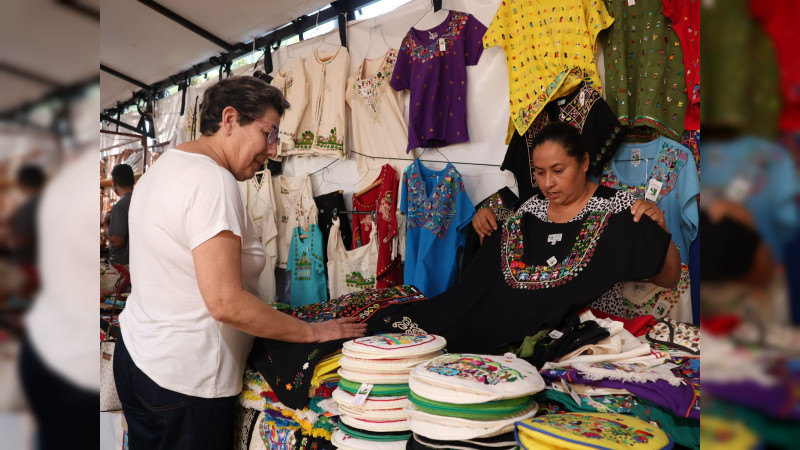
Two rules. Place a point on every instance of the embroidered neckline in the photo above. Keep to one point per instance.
(520, 275)
(434, 211)
(670, 163)
(368, 89)
(421, 50)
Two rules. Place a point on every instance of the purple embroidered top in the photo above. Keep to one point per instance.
(432, 64)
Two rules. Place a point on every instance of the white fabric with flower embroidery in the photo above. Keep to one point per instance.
(291, 80)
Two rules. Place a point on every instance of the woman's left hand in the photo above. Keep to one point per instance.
(644, 207)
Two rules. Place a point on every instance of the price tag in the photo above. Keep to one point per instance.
(552, 261)
(442, 44)
(738, 189)
(631, 2)
(433, 34)
(555, 334)
(636, 157)
(362, 394)
(653, 190)
(582, 98)
(571, 392)
(553, 238)
(661, 308)
(562, 102)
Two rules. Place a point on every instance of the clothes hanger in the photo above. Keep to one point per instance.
(322, 41)
(436, 6)
(379, 27)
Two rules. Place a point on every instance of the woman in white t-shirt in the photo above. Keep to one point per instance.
(195, 258)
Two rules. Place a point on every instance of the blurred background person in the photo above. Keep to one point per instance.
(122, 183)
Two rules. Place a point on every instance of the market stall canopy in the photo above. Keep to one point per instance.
(146, 46)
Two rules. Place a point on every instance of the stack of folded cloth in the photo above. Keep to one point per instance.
(470, 401)
(373, 389)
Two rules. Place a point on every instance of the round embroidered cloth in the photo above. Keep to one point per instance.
(393, 345)
(374, 377)
(456, 428)
(371, 403)
(375, 425)
(389, 365)
(590, 430)
(346, 442)
(466, 378)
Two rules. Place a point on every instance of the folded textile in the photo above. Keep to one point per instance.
(574, 334)
(455, 428)
(344, 441)
(589, 430)
(627, 372)
(638, 326)
(682, 400)
(501, 442)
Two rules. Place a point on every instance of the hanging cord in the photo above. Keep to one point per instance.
(329, 164)
(425, 160)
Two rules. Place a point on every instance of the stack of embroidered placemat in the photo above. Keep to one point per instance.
(469, 401)
(373, 389)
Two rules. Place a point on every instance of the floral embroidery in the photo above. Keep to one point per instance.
(408, 326)
(312, 354)
(369, 90)
(425, 52)
(394, 340)
(473, 367)
(277, 431)
(437, 212)
(576, 111)
(596, 427)
(669, 165)
(520, 275)
(362, 304)
(333, 141)
(499, 208)
(298, 380)
(357, 280)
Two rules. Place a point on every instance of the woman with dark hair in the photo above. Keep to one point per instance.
(195, 257)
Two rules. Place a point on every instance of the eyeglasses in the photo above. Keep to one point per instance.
(272, 136)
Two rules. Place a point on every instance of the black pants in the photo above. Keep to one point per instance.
(66, 414)
(161, 419)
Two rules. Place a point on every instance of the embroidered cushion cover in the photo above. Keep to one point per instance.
(589, 430)
(455, 428)
(346, 442)
(393, 345)
(468, 378)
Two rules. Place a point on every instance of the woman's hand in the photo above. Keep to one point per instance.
(484, 222)
(331, 330)
(644, 207)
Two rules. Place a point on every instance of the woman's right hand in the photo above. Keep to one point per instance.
(484, 222)
(342, 328)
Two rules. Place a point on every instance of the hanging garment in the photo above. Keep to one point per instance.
(259, 201)
(760, 175)
(379, 127)
(307, 266)
(326, 204)
(323, 128)
(549, 51)
(432, 65)
(291, 81)
(740, 75)
(438, 211)
(645, 82)
(381, 199)
(777, 19)
(296, 208)
(669, 168)
(354, 270)
(585, 110)
(684, 16)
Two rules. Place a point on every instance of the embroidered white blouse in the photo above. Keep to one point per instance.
(379, 128)
(354, 270)
(291, 80)
(259, 201)
(323, 127)
(295, 207)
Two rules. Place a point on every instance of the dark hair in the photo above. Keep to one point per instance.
(566, 136)
(248, 95)
(122, 174)
(30, 175)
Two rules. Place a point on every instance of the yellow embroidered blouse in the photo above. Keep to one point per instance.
(550, 47)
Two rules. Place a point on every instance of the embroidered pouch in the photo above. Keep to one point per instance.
(590, 430)
(375, 425)
(469, 378)
(379, 390)
(393, 345)
(456, 428)
(679, 335)
(345, 441)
